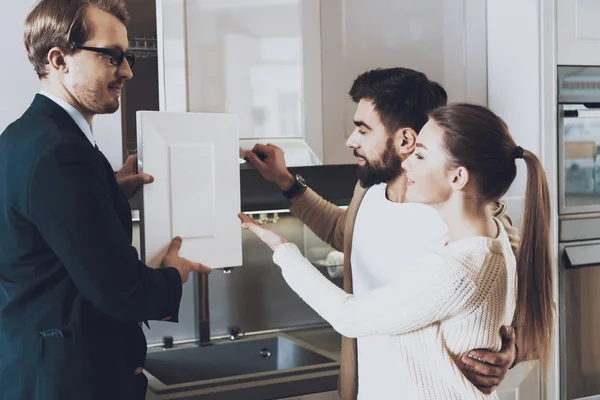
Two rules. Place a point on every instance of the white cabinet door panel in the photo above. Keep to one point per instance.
(578, 32)
(196, 193)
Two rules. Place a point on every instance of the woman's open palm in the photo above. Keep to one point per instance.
(271, 239)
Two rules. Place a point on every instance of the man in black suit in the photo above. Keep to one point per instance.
(72, 289)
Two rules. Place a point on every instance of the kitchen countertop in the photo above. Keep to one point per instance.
(326, 339)
(305, 380)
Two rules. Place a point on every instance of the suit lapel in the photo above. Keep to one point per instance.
(67, 126)
(48, 107)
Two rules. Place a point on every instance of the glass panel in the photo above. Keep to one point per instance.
(582, 156)
(578, 84)
(581, 355)
(245, 58)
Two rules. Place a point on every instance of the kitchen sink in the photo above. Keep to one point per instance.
(231, 361)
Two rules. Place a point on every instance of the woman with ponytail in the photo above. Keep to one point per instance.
(457, 297)
(480, 141)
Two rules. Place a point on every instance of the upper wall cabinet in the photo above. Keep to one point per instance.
(578, 32)
(258, 59)
(285, 66)
(445, 39)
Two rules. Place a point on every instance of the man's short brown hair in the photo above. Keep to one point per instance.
(61, 23)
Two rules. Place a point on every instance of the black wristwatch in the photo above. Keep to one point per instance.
(298, 186)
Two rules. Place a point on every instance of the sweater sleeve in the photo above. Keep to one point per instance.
(500, 211)
(433, 290)
(325, 219)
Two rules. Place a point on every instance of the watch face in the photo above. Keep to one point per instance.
(301, 180)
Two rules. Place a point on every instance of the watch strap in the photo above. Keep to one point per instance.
(296, 188)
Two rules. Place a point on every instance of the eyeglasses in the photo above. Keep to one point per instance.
(116, 56)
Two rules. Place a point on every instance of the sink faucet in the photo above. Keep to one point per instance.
(235, 332)
(203, 317)
(203, 314)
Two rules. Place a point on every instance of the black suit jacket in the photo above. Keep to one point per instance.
(72, 288)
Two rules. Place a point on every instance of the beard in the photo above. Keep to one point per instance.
(92, 101)
(385, 169)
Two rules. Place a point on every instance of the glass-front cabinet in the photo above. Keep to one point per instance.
(285, 67)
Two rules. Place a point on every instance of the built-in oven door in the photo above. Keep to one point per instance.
(579, 158)
(580, 319)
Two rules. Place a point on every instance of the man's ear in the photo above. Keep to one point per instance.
(459, 178)
(57, 60)
(408, 140)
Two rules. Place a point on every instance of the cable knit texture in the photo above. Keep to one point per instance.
(451, 301)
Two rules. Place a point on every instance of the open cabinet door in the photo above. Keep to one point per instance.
(260, 60)
(196, 193)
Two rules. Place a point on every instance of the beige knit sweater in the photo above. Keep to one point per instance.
(335, 226)
(452, 301)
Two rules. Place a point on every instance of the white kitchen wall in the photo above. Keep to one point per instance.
(522, 90)
(549, 153)
(514, 80)
(18, 80)
(107, 129)
(20, 83)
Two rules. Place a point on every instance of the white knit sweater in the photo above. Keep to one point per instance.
(450, 302)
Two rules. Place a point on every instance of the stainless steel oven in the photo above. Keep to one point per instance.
(579, 139)
(579, 230)
(579, 276)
